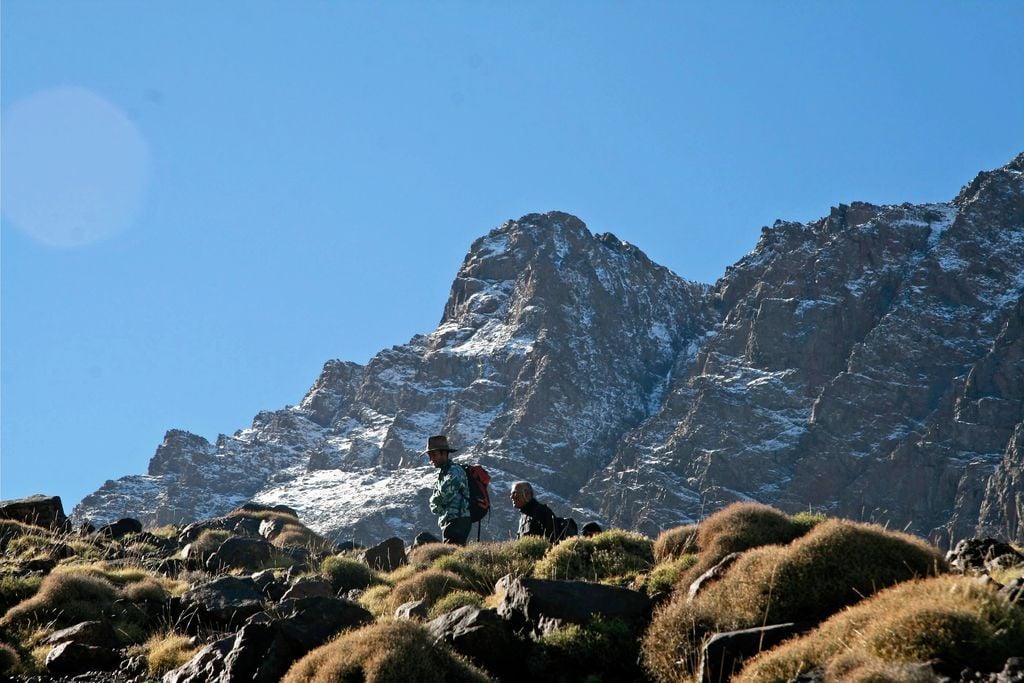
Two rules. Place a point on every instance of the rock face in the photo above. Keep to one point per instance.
(868, 364)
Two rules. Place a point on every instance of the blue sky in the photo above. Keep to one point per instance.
(203, 202)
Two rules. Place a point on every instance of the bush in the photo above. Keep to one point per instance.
(609, 554)
(603, 650)
(10, 662)
(953, 622)
(664, 576)
(11, 529)
(835, 565)
(674, 542)
(455, 600)
(387, 652)
(66, 599)
(424, 555)
(345, 573)
(14, 589)
(736, 528)
(166, 651)
(376, 600)
(481, 565)
(208, 542)
(429, 586)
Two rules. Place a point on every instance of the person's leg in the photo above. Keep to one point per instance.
(457, 531)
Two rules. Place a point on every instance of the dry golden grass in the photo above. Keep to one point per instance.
(674, 542)
(834, 565)
(14, 588)
(481, 564)
(386, 652)
(166, 651)
(736, 528)
(611, 554)
(346, 573)
(430, 586)
(64, 598)
(375, 599)
(955, 621)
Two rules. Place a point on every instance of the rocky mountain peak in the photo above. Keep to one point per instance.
(865, 364)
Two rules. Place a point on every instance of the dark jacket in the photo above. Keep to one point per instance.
(537, 520)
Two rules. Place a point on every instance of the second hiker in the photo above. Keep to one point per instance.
(450, 497)
(537, 518)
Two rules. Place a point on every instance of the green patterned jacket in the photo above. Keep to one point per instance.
(450, 498)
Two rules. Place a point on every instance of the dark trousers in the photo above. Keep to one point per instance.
(457, 530)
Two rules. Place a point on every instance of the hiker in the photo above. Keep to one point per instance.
(450, 498)
(537, 518)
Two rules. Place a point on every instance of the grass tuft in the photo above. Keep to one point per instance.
(383, 652)
(345, 573)
(480, 565)
(611, 554)
(455, 600)
(166, 651)
(674, 542)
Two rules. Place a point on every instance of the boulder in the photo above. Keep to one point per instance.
(974, 554)
(95, 633)
(724, 653)
(75, 658)
(44, 511)
(309, 587)
(224, 601)
(206, 667)
(386, 556)
(413, 610)
(121, 528)
(270, 528)
(484, 637)
(194, 530)
(711, 575)
(237, 552)
(527, 603)
(266, 647)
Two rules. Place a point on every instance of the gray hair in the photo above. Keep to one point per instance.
(523, 486)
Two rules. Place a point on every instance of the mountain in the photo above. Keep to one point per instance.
(868, 364)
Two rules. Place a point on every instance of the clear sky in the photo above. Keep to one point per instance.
(203, 202)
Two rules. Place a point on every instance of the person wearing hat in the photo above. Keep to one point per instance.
(450, 497)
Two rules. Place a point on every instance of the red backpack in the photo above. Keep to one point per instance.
(479, 498)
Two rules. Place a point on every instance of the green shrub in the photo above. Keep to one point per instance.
(674, 542)
(835, 565)
(386, 652)
(603, 650)
(951, 621)
(453, 601)
(611, 554)
(481, 565)
(429, 586)
(14, 589)
(664, 576)
(424, 555)
(345, 573)
(807, 520)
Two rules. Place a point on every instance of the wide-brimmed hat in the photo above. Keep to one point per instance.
(439, 443)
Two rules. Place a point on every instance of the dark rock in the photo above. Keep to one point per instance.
(246, 526)
(121, 528)
(247, 554)
(724, 653)
(528, 602)
(711, 575)
(973, 554)
(224, 601)
(423, 538)
(74, 658)
(484, 637)
(414, 609)
(44, 511)
(386, 556)
(590, 529)
(271, 528)
(309, 587)
(206, 666)
(196, 529)
(95, 633)
(265, 648)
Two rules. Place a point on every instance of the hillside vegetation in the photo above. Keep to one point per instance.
(257, 595)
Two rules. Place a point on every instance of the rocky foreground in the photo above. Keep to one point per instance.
(749, 593)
